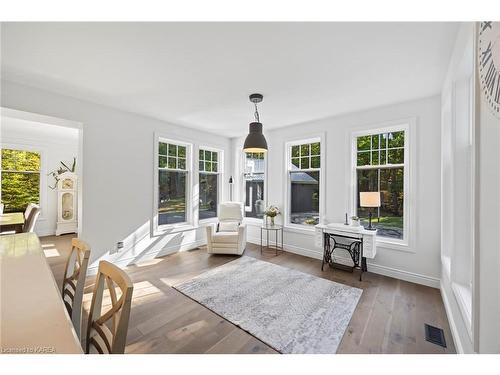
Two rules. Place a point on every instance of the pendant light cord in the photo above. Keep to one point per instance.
(256, 113)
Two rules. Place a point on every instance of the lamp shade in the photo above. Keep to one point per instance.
(255, 141)
(369, 199)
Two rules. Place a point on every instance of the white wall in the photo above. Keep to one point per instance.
(117, 172)
(489, 233)
(453, 196)
(55, 144)
(420, 261)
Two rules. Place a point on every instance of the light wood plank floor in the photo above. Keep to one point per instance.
(389, 318)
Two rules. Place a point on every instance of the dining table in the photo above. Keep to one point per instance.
(12, 222)
(33, 317)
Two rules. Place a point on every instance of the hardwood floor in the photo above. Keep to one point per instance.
(389, 318)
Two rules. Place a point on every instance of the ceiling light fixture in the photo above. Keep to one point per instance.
(255, 141)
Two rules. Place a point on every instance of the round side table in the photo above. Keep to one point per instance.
(278, 233)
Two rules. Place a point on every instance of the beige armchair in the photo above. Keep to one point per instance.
(229, 235)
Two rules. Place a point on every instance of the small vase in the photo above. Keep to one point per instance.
(272, 220)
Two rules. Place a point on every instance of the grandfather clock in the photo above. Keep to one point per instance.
(67, 221)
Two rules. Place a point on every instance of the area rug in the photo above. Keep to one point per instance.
(291, 311)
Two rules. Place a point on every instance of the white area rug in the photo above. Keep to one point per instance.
(291, 311)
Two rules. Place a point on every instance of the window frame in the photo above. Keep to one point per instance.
(246, 219)
(406, 125)
(287, 224)
(43, 172)
(220, 181)
(188, 223)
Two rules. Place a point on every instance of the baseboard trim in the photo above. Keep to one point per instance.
(45, 233)
(430, 281)
(451, 320)
(92, 270)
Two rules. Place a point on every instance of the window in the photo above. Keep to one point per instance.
(304, 173)
(20, 179)
(172, 183)
(381, 166)
(208, 182)
(253, 178)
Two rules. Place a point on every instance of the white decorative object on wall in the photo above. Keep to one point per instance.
(67, 221)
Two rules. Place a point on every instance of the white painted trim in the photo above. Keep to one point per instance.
(191, 178)
(220, 181)
(408, 125)
(242, 184)
(36, 117)
(288, 143)
(453, 326)
(42, 187)
(412, 277)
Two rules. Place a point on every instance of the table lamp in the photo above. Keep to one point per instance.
(369, 199)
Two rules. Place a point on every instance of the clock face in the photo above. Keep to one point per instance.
(489, 63)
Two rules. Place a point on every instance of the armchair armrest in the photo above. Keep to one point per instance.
(242, 238)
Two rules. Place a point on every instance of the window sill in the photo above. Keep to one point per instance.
(209, 220)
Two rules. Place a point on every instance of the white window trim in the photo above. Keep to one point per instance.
(406, 125)
(303, 228)
(252, 220)
(220, 181)
(43, 172)
(189, 223)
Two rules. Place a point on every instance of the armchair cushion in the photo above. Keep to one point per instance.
(228, 226)
(230, 211)
(225, 237)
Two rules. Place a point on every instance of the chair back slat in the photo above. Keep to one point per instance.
(100, 337)
(31, 219)
(73, 284)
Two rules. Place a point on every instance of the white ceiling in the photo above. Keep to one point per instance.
(200, 74)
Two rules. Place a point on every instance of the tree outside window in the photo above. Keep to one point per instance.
(172, 184)
(380, 166)
(20, 182)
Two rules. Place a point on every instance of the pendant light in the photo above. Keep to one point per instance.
(255, 141)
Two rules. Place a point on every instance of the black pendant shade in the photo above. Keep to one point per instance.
(255, 141)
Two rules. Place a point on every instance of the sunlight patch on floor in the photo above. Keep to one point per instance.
(51, 253)
(149, 262)
(141, 289)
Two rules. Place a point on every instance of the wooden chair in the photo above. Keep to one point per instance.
(73, 284)
(29, 224)
(27, 212)
(107, 333)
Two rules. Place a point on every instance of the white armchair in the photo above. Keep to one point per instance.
(229, 235)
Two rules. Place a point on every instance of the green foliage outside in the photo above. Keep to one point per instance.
(306, 156)
(20, 182)
(381, 149)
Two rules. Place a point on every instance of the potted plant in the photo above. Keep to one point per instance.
(272, 212)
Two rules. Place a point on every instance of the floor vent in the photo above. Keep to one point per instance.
(435, 335)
